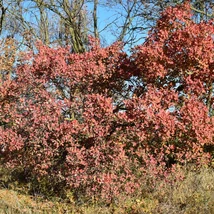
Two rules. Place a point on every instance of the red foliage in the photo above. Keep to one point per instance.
(177, 51)
(71, 117)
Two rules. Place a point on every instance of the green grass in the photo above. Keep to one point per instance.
(193, 195)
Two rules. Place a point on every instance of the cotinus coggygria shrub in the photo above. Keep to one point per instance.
(98, 121)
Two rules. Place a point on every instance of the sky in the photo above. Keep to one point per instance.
(106, 16)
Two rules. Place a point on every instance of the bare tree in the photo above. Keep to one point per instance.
(47, 21)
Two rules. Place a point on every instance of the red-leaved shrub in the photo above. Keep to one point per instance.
(97, 122)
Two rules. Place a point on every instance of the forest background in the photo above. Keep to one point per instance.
(107, 101)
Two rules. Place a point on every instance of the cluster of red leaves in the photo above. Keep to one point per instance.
(65, 116)
(178, 51)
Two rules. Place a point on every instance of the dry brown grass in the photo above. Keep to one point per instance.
(193, 195)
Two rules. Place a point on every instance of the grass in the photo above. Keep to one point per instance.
(192, 195)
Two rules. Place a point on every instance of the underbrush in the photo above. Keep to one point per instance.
(188, 190)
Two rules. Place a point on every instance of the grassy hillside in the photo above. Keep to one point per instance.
(194, 194)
